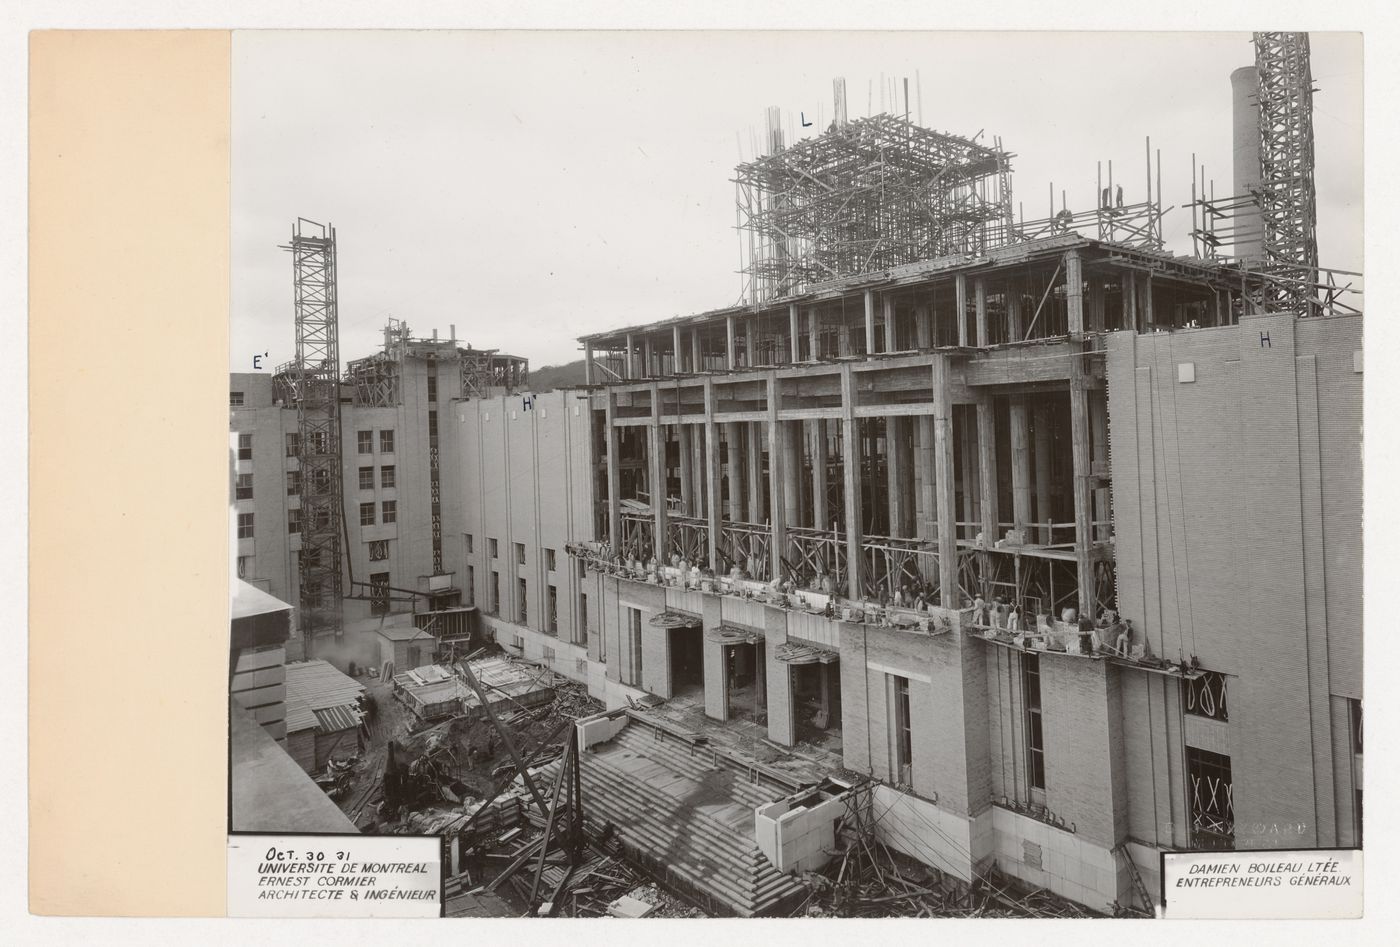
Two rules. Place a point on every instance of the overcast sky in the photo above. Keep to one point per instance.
(533, 187)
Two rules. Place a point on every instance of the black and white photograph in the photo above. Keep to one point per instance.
(805, 474)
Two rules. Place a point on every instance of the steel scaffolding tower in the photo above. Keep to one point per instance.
(313, 379)
(1287, 198)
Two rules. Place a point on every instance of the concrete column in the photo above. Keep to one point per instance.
(780, 717)
(1098, 431)
(777, 456)
(676, 350)
(656, 462)
(588, 363)
(687, 486)
(751, 342)
(1043, 446)
(821, 516)
(793, 331)
(869, 322)
(927, 509)
(1014, 329)
(1148, 318)
(960, 291)
(792, 473)
(850, 443)
(729, 351)
(979, 287)
(893, 471)
(1079, 446)
(711, 467)
(987, 467)
(753, 479)
(614, 475)
(631, 360)
(1129, 289)
(944, 494)
(1074, 292)
(699, 482)
(734, 467)
(716, 680)
(814, 337)
(971, 473)
(1096, 307)
(889, 314)
(697, 363)
(648, 370)
(1020, 463)
(923, 328)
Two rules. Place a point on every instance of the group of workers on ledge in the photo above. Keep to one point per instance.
(1108, 634)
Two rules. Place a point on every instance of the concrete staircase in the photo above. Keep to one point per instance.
(714, 862)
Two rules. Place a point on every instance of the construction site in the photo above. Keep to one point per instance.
(960, 569)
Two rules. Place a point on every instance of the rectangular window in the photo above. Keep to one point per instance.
(551, 615)
(471, 586)
(293, 445)
(1205, 696)
(522, 613)
(391, 511)
(366, 478)
(364, 440)
(245, 447)
(1355, 726)
(901, 730)
(378, 549)
(471, 546)
(549, 562)
(492, 549)
(386, 442)
(245, 525)
(1035, 732)
(583, 618)
(547, 655)
(386, 476)
(1212, 801)
(366, 514)
(432, 388)
(432, 424)
(495, 601)
(294, 483)
(632, 670)
(520, 553)
(294, 521)
(379, 593)
(244, 488)
(235, 398)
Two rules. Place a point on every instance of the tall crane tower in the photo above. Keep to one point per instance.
(1287, 195)
(313, 383)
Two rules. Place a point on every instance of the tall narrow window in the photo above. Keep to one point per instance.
(386, 476)
(365, 441)
(366, 478)
(432, 424)
(294, 520)
(432, 388)
(245, 447)
(293, 445)
(491, 548)
(522, 613)
(386, 442)
(583, 618)
(244, 488)
(1035, 734)
(901, 730)
(495, 602)
(245, 525)
(390, 511)
(520, 553)
(366, 514)
(293, 483)
(1355, 726)
(549, 560)
(552, 611)
(471, 585)
(632, 670)
(1212, 799)
(471, 545)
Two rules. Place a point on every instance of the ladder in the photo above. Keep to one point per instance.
(1122, 849)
